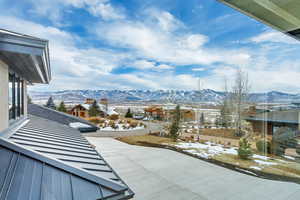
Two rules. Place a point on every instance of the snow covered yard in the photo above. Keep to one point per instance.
(209, 150)
(206, 150)
(121, 128)
(121, 125)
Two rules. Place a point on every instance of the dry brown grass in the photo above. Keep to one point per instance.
(137, 140)
(226, 133)
(285, 169)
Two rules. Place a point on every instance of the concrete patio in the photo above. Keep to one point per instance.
(162, 174)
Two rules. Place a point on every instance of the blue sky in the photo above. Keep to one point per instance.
(154, 44)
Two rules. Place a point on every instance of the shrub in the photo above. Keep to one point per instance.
(94, 120)
(244, 151)
(114, 126)
(133, 124)
(263, 146)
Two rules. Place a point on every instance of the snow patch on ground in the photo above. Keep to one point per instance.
(206, 150)
(261, 157)
(261, 162)
(255, 167)
(120, 128)
(289, 157)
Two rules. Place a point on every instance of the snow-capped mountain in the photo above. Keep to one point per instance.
(162, 96)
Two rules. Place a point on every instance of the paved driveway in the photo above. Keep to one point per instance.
(160, 174)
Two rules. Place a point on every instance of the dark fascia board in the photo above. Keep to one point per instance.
(60, 165)
(226, 2)
(271, 120)
(37, 48)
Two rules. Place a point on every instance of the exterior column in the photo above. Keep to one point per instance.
(25, 98)
(298, 120)
(4, 86)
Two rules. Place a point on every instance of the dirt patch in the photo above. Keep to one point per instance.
(144, 139)
(224, 133)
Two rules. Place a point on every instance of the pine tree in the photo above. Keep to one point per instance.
(202, 119)
(94, 109)
(174, 129)
(226, 108)
(128, 114)
(50, 103)
(62, 107)
(29, 101)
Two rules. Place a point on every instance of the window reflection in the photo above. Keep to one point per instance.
(16, 97)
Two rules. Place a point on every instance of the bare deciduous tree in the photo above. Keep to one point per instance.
(240, 94)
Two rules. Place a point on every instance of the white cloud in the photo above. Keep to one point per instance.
(66, 58)
(156, 44)
(54, 9)
(149, 65)
(165, 20)
(198, 69)
(143, 64)
(164, 67)
(273, 36)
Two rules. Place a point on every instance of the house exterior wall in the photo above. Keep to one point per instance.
(79, 111)
(4, 91)
(260, 127)
(3, 96)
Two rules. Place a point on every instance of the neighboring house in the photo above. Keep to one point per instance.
(273, 120)
(89, 101)
(43, 158)
(186, 114)
(80, 110)
(155, 112)
(166, 113)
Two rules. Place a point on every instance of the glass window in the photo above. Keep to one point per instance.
(16, 97)
(11, 95)
(22, 98)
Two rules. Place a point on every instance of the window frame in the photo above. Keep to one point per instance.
(16, 91)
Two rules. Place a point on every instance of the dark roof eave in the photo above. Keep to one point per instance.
(37, 49)
(270, 120)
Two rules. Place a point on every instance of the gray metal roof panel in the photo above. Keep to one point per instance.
(63, 118)
(86, 167)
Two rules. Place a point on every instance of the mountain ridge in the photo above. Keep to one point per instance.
(161, 96)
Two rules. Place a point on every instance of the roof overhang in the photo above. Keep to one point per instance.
(282, 15)
(26, 55)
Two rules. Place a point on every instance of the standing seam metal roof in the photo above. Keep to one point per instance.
(47, 160)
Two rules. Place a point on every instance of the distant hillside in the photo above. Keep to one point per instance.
(161, 96)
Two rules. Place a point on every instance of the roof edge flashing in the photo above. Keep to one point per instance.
(61, 165)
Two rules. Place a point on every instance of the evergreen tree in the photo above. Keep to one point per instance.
(226, 108)
(29, 101)
(128, 114)
(50, 103)
(174, 129)
(202, 119)
(62, 107)
(244, 150)
(94, 109)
